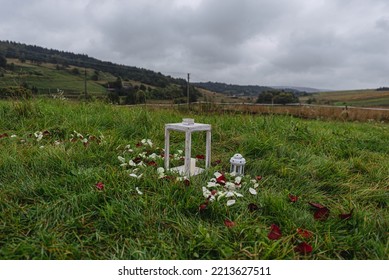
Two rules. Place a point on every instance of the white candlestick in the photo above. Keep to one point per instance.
(192, 166)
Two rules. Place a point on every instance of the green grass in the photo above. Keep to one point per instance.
(47, 79)
(50, 207)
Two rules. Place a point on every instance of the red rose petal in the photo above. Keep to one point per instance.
(258, 178)
(303, 248)
(253, 207)
(275, 232)
(100, 186)
(200, 157)
(221, 179)
(293, 198)
(202, 207)
(322, 214)
(316, 205)
(229, 223)
(152, 163)
(304, 233)
(187, 182)
(346, 216)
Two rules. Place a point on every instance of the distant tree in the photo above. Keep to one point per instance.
(285, 98)
(266, 96)
(3, 61)
(118, 84)
(22, 58)
(75, 71)
(276, 97)
(96, 75)
(140, 96)
(130, 98)
(113, 97)
(11, 66)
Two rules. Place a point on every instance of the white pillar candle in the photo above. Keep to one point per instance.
(192, 166)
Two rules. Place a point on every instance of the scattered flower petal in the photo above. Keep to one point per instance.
(211, 184)
(38, 135)
(221, 179)
(303, 248)
(152, 163)
(346, 216)
(231, 202)
(100, 186)
(258, 178)
(229, 223)
(293, 198)
(138, 191)
(136, 176)
(304, 233)
(253, 207)
(321, 214)
(275, 232)
(121, 159)
(202, 207)
(200, 157)
(316, 205)
(252, 191)
(230, 194)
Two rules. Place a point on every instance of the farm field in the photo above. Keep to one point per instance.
(81, 181)
(360, 98)
(48, 79)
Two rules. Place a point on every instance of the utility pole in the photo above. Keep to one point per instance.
(187, 89)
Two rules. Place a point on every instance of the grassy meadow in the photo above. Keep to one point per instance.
(358, 98)
(48, 79)
(67, 192)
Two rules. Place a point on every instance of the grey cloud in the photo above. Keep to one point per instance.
(336, 43)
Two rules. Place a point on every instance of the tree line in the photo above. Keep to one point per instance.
(9, 49)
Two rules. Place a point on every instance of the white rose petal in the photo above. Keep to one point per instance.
(139, 192)
(230, 194)
(121, 159)
(231, 202)
(252, 191)
(238, 194)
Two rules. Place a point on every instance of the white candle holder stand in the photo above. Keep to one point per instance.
(188, 126)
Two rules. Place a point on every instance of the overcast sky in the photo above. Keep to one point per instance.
(330, 44)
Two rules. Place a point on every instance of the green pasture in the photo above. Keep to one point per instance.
(65, 195)
(47, 79)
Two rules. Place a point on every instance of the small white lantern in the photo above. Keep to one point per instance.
(237, 164)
